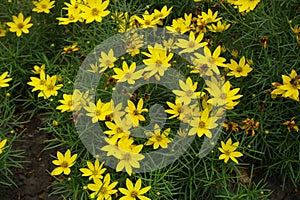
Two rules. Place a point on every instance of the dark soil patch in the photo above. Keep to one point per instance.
(33, 180)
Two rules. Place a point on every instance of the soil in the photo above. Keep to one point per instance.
(33, 180)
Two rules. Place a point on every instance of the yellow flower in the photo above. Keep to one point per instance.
(229, 152)
(4, 80)
(129, 157)
(222, 95)
(2, 30)
(203, 125)
(135, 113)
(70, 49)
(250, 124)
(102, 190)
(93, 171)
(238, 70)
(134, 192)
(49, 88)
(177, 110)
(187, 92)
(147, 20)
(2, 145)
(296, 29)
(43, 6)
(219, 28)
(67, 104)
(38, 70)
(98, 111)
(158, 138)
(163, 13)
(210, 17)
(118, 129)
(127, 74)
(192, 44)
(181, 25)
(94, 10)
(64, 162)
(38, 83)
(246, 5)
(19, 25)
(72, 16)
(158, 61)
(107, 60)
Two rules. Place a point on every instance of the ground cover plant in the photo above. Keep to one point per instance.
(153, 99)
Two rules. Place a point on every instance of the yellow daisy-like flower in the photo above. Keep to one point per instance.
(38, 70)
(43, 6)
(192, 44)
(70, 49)
(49, 88)
(4, 80)
(93, 171)
(219, 27)
(19, 25)
(135, 113)
(181, 25)
(229, 152)
(67, 104)
(246, 5)
(238, 70)
(2, 30)
(98, 111)
(102, 190)
(127, 74)
(107, 60)
(64, 162)
(147, 21)
(210, 17)
(158, 139)
(2, 145)
(135, 191)
(203, 125)
(187, 92)
(94, 10)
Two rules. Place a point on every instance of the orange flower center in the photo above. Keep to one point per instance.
(64, 164)
(201, 124)
(20, 25)
(134, 194)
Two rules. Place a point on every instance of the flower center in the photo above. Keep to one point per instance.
(136, 112)
(147, 22)
(192, 44)
(239, 69)
(128, 75)
(64, 164)
(134, 194)
(43, 6)
(223, 96)
(95, 12)
(158, 138)
(20, 25)
(201, 124)
(50, 87)
(158, 63)
(189, 93)
(127, 157)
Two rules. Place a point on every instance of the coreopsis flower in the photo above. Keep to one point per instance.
(238, 70)
(129, 157)
(290, 87)
(127, 74)
(192, 44)
(118, 129)
(158, 60)
(72, 16)
(98, 111)
(158, 139)
(93, 171)
(70, 49)
(250, 124)
(162, 14)
(107, 60)
(246, 5)
(210, 17)
(38, 70)
(43, 6)
(38, 83)
(4, 80)
(3, 30)
(291, 125)
(235, 53)
(49, 88)
(80, 100)
(181, 25)
(2, 145)
(94, 10)
(102, 190)
(147, 21)
(114, 146)
(67, 103)
(177, 110)
(135, 113)
(219, 28)
(134, 192)
(64, 163)
(203, 124)
(19, 25)
(229, 151)
(187, 92)
(222, 95)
